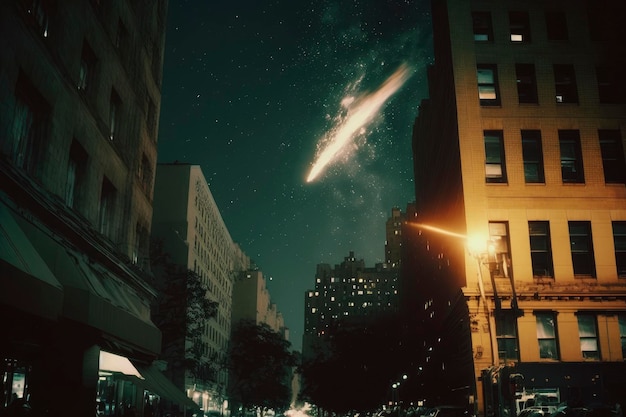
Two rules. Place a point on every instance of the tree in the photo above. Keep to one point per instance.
(180, 311)
(260, 362)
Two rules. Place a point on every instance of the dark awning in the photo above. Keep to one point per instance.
(158, 383)
(26, 282)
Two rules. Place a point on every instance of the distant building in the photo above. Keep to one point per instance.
(252, 301)
(80, 92)
(349, 291)
(393, 234)
(520, 149)
(188, 221)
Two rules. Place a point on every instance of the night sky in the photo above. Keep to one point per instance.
(253, 91)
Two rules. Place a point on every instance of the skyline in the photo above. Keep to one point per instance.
(249, 93)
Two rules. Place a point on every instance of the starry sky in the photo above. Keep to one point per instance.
(253, 91)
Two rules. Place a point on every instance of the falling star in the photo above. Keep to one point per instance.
(361, 111)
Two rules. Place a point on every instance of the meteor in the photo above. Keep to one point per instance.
(361, 111)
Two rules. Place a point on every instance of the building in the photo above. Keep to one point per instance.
(252, 301)
(348, 291)
(520, 149)
(188, 221)
(393, 234)
(79, 104)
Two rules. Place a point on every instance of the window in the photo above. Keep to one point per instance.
(533, 156)
(40, 12)
(571, 156)
(581, 246)
(611, 88)
(506, 335)
(556, 26)
(499, 235)
(526, 83)
(28, 130)
(495, 167)
(87, 67)
(619, 240)
(612, 156)
(488, 92)
(565, 83)
(547, 335)
(483, 31)
(588, 333)
(622, 333)
(114, 115)
(540, 248)
(107, 207)
(76, 167)
(519, 25)
(146, 175)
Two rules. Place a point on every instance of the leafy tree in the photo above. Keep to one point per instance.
(180, 311)
(259, 361)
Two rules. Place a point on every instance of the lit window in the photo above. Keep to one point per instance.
(313, 310)
(587, 331)
(488, 93)
(482, 26)
(520, 26)
(533, 156)
(495, 167)
(547, 335)
(499, 235)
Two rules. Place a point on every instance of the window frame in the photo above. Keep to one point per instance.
(541, 247)
(583, 258)
(612, 152)
(556, 25)
(532, 155)
(541, 319)
(572, 169)
(619, 245)
(488, 84)
(565, 85)
(526, 81)
(499, 234)
(482, 26)
(519, 26)
(588, 336)
(507, 336)
(494, 157)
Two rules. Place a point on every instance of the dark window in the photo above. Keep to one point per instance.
(581, 245)
(622, 333)
(547, 335)
(619, 240)
(87, 68)
(540, 248)
(526, 83)
(483, 31)
(488, 91)
(611, 87)
(76, 168)
(506, 335)
(588, 334)
(151, 120)
(106, 214)
(571, 156)
(520, 26)
(40, 11)
(612, 156)
(29, 127)
(565, 83)
(556, 26)
(114, 115)
(495, 166)
(146, 175)
(533, 156)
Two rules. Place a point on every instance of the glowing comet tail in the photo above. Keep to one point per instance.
(361, 112)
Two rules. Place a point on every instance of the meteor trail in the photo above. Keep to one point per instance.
(361, 111)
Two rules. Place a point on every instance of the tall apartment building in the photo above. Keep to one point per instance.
(393, 234)
(348, 291)
(80, 91)
(252, 301)
(188, 221)
(520, 149)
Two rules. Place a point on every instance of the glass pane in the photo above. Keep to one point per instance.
(622, 325)
(531, 172)
(547, 349)
(589, 345)
(586, 326)
(538, 243)
(493, 170)
(485, 76)
(487, 92)
(545, 326)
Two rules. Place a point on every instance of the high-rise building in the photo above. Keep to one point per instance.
(80, 92)
(393, 233)
(188, 222)
(349, 291)
(519, 245)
